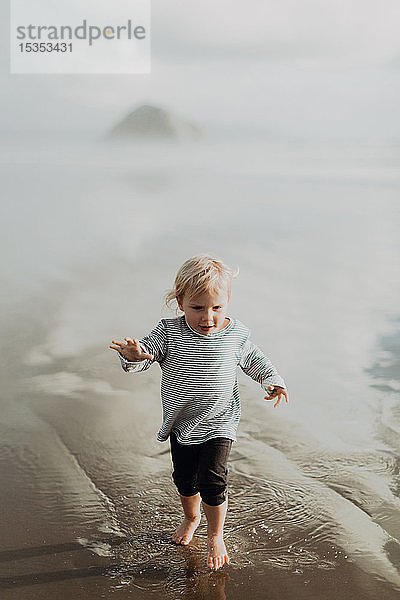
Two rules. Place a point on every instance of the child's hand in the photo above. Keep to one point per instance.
(275, 391)
(131, 350)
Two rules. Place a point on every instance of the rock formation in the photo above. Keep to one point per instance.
(150, 122)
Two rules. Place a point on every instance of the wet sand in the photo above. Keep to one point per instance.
(88, 503)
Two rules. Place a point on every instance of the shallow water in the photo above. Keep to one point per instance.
(96, 234)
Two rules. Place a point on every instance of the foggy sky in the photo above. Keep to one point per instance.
(295, 67)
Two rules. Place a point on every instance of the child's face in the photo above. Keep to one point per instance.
(206, 313)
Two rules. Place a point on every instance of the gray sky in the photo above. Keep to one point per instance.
(297, 67)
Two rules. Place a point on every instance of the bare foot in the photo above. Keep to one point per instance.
(185, 531)
(217, 554)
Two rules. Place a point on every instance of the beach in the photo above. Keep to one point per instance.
(93, 236)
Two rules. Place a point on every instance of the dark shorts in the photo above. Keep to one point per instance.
(201, 468)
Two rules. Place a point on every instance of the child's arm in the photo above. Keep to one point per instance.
(257, 366)
(138, 355)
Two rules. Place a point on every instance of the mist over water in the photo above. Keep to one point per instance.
(92, 237)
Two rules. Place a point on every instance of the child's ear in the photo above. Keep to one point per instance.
(179, 301)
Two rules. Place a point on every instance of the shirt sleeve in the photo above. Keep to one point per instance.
(257, 366)
(154, 343)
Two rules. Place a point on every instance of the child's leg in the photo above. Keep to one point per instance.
(185, 461)
(191, 509)
(217, 553)
(212, 484)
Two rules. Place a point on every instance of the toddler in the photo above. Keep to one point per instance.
(199, 353)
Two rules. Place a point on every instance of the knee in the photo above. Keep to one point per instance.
(214, 500)
(185, 486)
(212, 487)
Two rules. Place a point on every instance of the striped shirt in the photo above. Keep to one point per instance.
(199, 386)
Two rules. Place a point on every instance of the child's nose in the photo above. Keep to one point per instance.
(208, 316)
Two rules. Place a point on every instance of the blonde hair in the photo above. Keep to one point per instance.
(198, 275)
